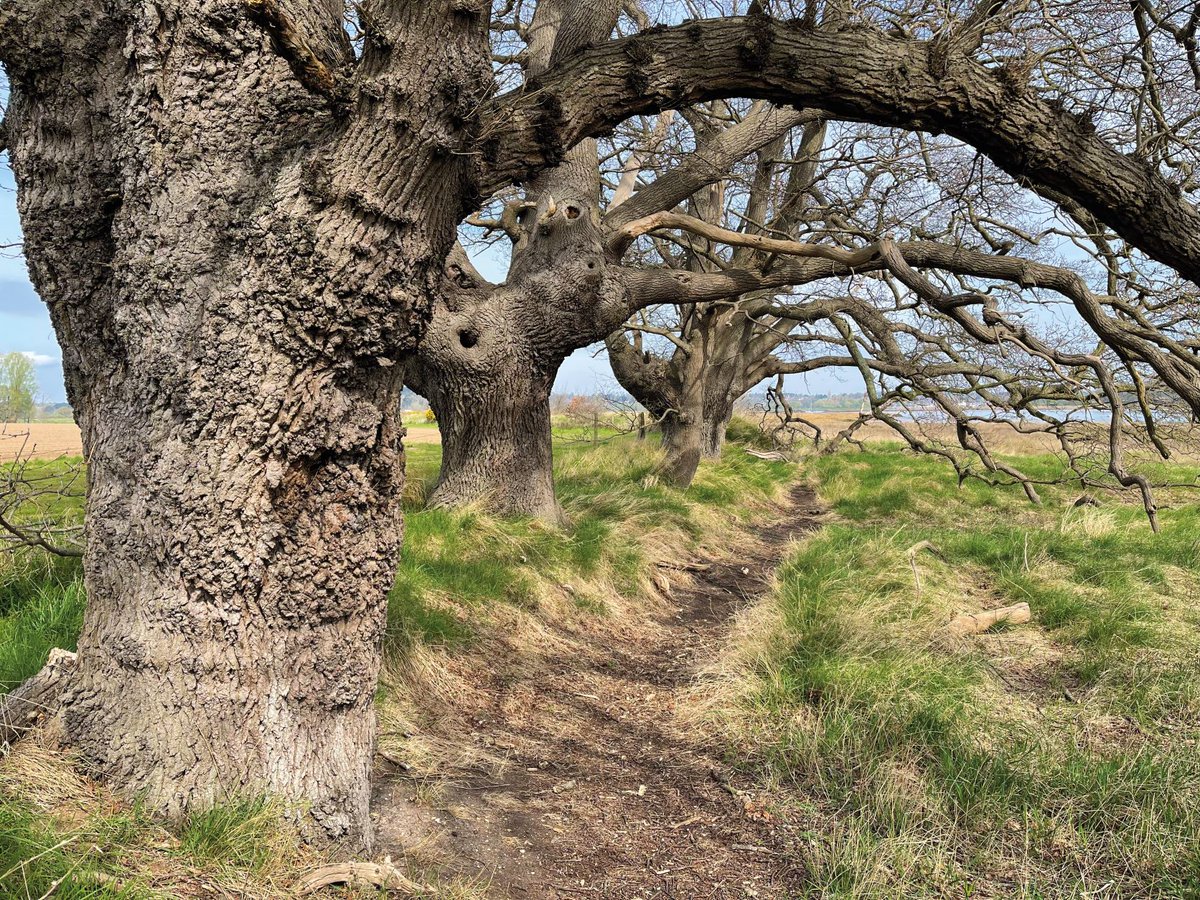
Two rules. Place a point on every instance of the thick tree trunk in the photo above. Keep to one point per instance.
(704, 429)
(694, 433)
(234, 271)
(488, 362)
(232, 639)
(683, 448)
(496, 440)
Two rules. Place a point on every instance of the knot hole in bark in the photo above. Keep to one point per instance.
(468, 337)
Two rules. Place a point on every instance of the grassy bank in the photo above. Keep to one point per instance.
(1050, 760)
(1057, 759)
(468, 585)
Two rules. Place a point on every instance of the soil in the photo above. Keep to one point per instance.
(50, 440)
(604, 794)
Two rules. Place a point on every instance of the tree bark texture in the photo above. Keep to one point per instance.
(488, 364)
(233, 266)
(692, 392)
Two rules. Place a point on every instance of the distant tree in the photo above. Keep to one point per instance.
(17, 387)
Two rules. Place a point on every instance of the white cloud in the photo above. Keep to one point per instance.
(39, 359)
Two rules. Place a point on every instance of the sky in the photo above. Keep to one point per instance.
(25, 325)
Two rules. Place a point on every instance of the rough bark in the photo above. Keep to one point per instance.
(233, 265)
(488, 380)
(37, 699)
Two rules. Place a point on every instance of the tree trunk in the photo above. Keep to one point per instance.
(237, 595)
(690, 395)
(488, 362)
(495, 425)
(235, 266)
(705, 430)
(683, 445)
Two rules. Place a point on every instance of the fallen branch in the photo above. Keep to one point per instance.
(772, 455)
(922, 545)
(379, 875)
(977, 623)
(35, 699)
(685, 567)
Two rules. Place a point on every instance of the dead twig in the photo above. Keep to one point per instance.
(380, 875)
(977, 623)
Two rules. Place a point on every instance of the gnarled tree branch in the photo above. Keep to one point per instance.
(863, 75)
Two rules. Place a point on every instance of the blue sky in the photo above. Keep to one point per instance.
(24, 324)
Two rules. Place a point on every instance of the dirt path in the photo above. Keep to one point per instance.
(603, 796)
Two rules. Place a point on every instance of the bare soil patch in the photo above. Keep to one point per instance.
(39, 440)
(601, 791)
(50, 440)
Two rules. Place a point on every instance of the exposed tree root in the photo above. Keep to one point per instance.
(36, 699)
(380, 875)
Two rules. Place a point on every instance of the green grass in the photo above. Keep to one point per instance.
(1047, 760)
(243, 834)
(37, 859)
(50, 615)
(456, 564)
(41, 596)
(1051, 760)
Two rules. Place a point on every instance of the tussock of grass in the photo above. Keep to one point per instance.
(1049, 760)
(249, 833)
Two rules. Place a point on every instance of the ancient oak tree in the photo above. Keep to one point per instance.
(241, 214)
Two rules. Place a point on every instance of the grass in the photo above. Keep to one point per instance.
(1052, 760)
(465, 580)
(456, 565)
(233, 835)
(36, 859)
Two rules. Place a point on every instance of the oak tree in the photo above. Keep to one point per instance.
(240, 212)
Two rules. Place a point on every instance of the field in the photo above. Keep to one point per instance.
(864, 750)
(38, 440)
(50, 440)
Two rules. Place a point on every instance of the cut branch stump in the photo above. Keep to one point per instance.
(978, 623)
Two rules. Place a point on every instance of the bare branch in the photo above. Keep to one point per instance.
(861, 75)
